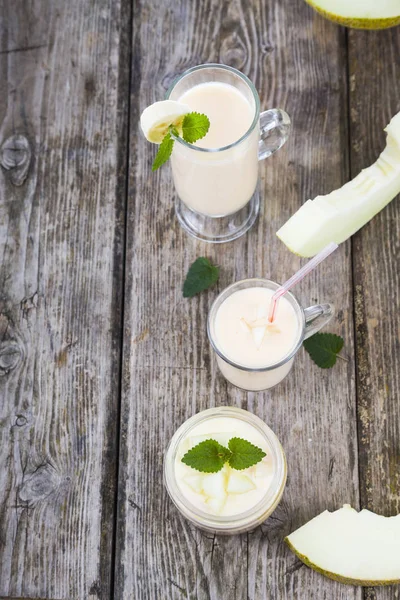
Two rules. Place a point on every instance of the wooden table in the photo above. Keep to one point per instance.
(101, 358)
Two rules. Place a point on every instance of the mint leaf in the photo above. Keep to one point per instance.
(201, 275)
(194, 127)
(164, 152)
(323, 348)
(244, 454)
(207, 457)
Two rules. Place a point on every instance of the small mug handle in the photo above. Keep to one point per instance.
(274, 131)
(316, 317)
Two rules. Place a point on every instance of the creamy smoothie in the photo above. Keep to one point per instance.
(229, 112)
(228, 492)
(218, 183)
(242, 334)
(231, 500)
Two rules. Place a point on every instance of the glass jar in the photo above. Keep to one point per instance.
(245, 520)
(310, 320)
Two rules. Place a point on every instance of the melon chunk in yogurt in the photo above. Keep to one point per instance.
(228, 492)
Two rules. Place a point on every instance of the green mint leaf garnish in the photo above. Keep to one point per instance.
(194, 127)
(201, 275)
(164, 152)
(324, 348)
(243, 454)
(207, 457)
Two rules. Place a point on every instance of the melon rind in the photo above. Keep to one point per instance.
(338, 215)
(357, 22)
(298, 546)
(336, 577)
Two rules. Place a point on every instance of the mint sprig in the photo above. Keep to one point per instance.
(324, 348)
(202, 274)
(243, 454)
(210, 456)
(194, 127)
(164, 152)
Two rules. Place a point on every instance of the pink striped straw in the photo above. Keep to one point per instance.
(298, 277)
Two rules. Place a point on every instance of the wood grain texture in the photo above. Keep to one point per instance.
(375, 98)
(62, 118)
(297, 61)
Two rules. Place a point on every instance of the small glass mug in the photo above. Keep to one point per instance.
(244, 521)
(217, 189)
(311, 320)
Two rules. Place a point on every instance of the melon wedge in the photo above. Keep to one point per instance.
(239, 484)
(216, 504)
(214, 484)
(195, 482)
(336, 216)
(361, 14)
(357, 548)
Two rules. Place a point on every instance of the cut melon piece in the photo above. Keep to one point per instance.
(239, 484)
(258, 335)
(335, 217)
(258, 330)
(357, 548)
(195, 482)
(216, 504)
(361, 14)
(214, 484)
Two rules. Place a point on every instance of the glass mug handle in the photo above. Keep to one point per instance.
(316, 317)
(274, 131)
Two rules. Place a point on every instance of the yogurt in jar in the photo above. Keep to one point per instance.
(229, 491)
(229, 501)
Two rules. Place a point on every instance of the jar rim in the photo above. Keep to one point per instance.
(249, 518)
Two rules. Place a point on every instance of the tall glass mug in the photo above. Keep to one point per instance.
(250, 354)
(217, 188)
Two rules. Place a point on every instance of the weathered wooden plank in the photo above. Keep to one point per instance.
(375, 92)
(313, 411)
(297, 61)
(62, 121)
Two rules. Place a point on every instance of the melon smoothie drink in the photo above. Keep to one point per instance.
(231, 115)
(253, 353)
(216, 177)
